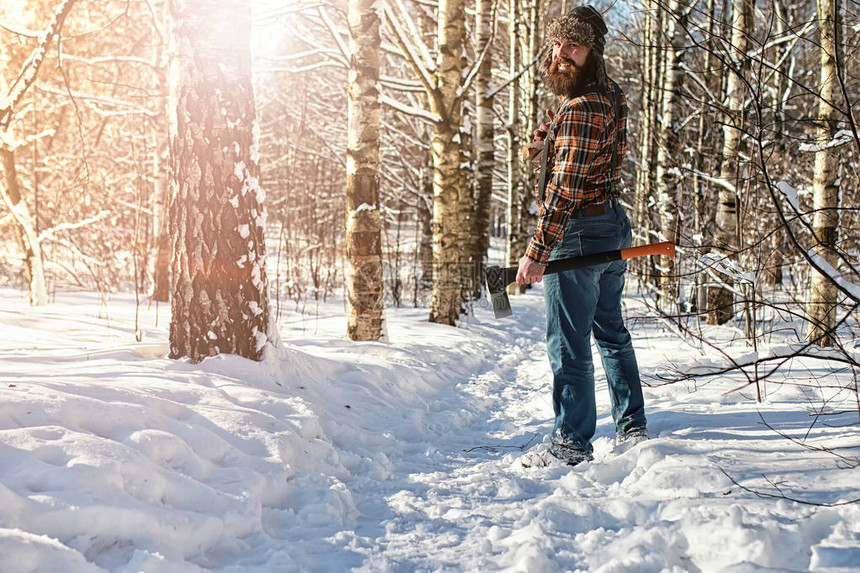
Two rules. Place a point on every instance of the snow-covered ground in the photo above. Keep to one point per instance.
(400, 456)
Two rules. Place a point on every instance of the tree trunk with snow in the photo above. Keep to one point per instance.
(363, 222)
(668, 177)
(220, 300)
(25, 228)
(825, 182)
(445, 145)
(720, 298)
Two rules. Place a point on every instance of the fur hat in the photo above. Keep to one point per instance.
(584, 26)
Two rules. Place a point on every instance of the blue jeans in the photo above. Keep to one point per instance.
(580, 303)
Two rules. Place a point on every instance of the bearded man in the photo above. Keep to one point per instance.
(579, 214)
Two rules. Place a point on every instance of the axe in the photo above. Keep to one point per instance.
(498, 278)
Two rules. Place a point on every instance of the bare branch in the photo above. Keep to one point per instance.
(414, 59)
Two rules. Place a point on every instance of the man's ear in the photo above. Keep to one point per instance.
(546, 61)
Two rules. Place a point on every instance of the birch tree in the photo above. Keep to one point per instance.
(668, 177)
(650, 105)
(363, 241)
(484, 132)
(160, 194)
(446, 101)
(524, 48)
(442, 78)
(219, 302)
(823, 293)
(720, 298)
(515, 241)
(26, 229)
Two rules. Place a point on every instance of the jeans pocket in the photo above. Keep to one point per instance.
(597, 241)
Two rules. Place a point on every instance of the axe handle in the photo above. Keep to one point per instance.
(508, 275)
(561, 265)
(667, 248)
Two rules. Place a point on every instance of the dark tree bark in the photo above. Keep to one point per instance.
(219, 302)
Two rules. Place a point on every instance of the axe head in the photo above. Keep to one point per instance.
(498, 279)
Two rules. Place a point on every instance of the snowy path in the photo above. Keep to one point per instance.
(396, 456)
(456, 494)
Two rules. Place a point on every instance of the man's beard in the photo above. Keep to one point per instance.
(572, 81)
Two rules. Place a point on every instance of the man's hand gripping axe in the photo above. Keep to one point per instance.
(498, 278)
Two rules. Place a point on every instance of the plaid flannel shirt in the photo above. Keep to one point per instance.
(580, 160)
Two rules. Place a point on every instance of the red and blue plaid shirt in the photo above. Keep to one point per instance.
(584, 128)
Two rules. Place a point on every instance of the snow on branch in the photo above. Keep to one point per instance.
(335, 34)
(418, 61)
(726, 266)
(111, 60)
(426, 59)
(101, 103)
(711, 179)
(845, 286)
(841, 137)
(409, 109)
(399, 84)
(30, 69)
(50, 233)
(305, 54)
(302, 69)
(790, 194)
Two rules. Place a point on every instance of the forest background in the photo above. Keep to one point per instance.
(384, 142)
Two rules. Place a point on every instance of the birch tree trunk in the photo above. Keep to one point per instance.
(363, 223)
(825, 182)
(782, 83)
(720, 298)
(470, 285)
(483, 139)
(446, 301)
(160, 229)
(220, 300)
(650, 106)
(514, 242)
(702, 208)
(161, 188)
(531, 44)
(669, 151)
(25, 228)
(424, 221)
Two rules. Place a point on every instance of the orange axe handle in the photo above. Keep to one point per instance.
(500, 277)
(667, 249)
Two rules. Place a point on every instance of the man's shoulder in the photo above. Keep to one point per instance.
(590, 102)
(594, 100)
